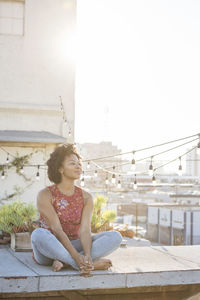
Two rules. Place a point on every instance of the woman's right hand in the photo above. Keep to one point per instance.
(85, 268)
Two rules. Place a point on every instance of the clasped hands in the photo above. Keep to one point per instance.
(85, 264)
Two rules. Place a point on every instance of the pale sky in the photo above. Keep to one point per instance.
(138, 71)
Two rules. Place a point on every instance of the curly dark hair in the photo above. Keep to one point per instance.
(56, 159)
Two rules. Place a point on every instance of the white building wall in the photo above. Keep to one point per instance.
(38, 67)
(35, 69)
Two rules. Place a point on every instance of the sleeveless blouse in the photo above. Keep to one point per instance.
(69, 211)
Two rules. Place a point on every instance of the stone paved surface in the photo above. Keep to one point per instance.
(132, 267)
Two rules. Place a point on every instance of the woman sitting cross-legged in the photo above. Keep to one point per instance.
(65, 238)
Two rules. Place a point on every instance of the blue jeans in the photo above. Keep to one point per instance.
(47, 247)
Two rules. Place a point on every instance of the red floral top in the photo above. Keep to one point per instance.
(69, 210)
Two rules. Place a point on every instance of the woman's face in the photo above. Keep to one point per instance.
(71, 167)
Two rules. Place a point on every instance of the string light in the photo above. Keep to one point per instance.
(113, 176)
(154, 180)
(133, 162)
(198, 146)
(147, 148)
(82, 182)
(145, 158)
(38, 174)
(151, 167)
(135, 183)
(88, 165)
(180, 170)
(61, 104)
(21, 170)
(107, 181)
(95, 173)
(3, 174)
(64, 115)
(7, 159)
(119, 184)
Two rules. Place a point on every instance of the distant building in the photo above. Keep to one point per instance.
(172, 224)
(90, 151)
(193, 163)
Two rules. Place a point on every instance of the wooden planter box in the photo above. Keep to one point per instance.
(21, 241)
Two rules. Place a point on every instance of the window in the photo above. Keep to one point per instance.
(11, 17)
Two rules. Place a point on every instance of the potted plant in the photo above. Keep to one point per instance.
(4, 238)
(17, 220)
(101, 219)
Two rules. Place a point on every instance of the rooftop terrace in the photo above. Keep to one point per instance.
(151, 272)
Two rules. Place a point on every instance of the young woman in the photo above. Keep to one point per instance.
(64, 238)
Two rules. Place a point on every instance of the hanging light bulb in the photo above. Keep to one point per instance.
(7, 159)
(82, 182)
(61, 104)
(95, 173)
(38, 174)
(70, 133)
(154, 180)
(21, 170)
(3, 174)
(119, 184)
(133, 163)
(135, 183)
(198, 146)
(180, 169)
(113, 179)
(107, 181)
(151, 168)
(88, 165)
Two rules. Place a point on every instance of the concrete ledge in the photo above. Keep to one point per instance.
(29, 107)
(134, 268)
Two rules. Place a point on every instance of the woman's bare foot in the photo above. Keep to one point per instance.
(102, 264)
(58, 265)
(99, 264)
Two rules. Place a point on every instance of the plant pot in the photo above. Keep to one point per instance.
(5, 240)
(21, 241)
(126, 232)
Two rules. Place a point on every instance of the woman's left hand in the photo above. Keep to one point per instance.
(87, 267)
(88, 261)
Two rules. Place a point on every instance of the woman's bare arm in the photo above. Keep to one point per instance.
(85, 228)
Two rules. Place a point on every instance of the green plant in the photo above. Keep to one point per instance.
(109, 215)
(17, 191)
(100, 220)
(19, 161)
(17, 217)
